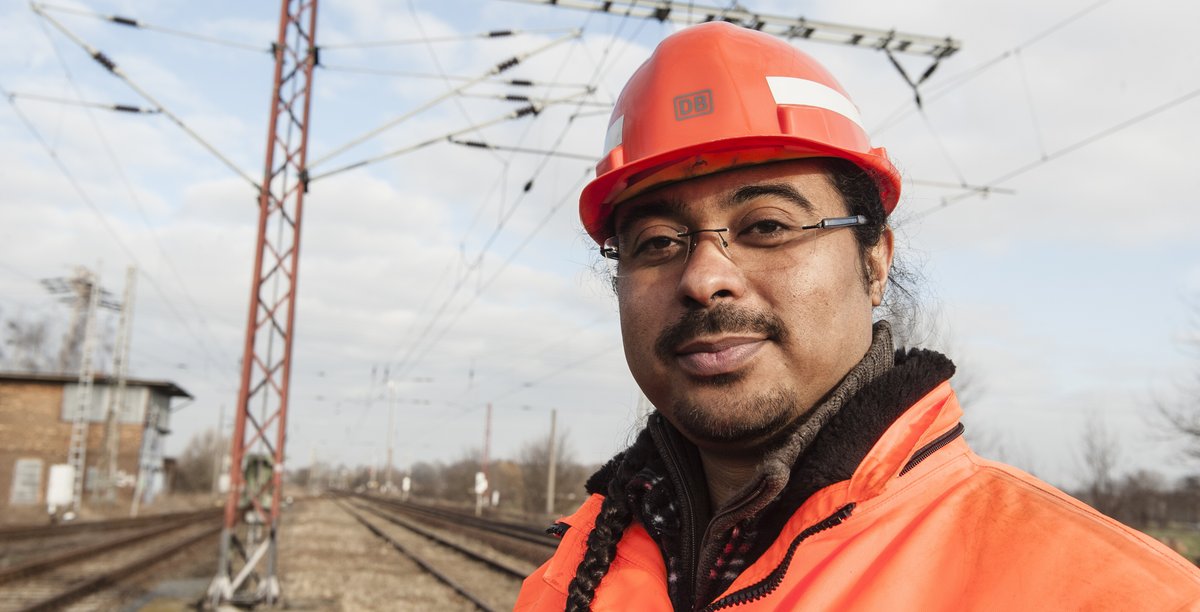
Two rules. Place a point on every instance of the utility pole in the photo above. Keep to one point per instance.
(481, 481)
(77, 451)
(85, 295)
(550, 478)
(146, 464)
(116, 397)
(246, 570)
(222, 454)
(391, 434)
(487, 439)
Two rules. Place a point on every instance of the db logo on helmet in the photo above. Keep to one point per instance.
(693, 104)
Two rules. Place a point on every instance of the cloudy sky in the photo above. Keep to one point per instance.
(1066, 296)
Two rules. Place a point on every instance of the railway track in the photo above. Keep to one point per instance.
(484, 577)
(66, 574)
(19, 545)
(530, 543)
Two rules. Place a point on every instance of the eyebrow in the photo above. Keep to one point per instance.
(654, 208)
(674, 207)
(781, 190)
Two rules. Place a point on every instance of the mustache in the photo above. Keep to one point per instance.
(724, 319)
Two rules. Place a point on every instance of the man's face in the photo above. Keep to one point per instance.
(732, 351)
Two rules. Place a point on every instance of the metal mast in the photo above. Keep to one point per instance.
(246, 572)
(116, 397)
(77, 451)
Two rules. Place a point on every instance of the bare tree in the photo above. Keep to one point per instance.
(194, 470)
(28, 342)
(1100, 456)
(569, 475)
(459, 477)
(1180, 417)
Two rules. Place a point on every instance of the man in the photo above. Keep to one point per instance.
(796, 460)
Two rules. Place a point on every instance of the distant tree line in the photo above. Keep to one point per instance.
(521, 481)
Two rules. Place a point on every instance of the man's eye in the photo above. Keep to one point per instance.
(655, 245)
(766, 233)
(766, 226)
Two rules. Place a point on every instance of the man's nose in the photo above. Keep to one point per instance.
(709, 272)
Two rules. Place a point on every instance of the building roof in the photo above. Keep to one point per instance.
(164, 386)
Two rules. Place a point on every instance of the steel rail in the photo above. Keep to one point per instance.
(473, 555)
(38, 566)
(436, 573)
(525, 533)
(40, 531)
(109, 578)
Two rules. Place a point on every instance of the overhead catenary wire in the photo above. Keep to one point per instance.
(782, 26)
(1071, 148)
(408, 74)
(502, 182)
(133, 196)
(941, 145)
(112, 67)
(440, 39)
(1033, 116)
(475, 266)
(591, 86)
(960, 186)
(108, 227)
(122, 108)
(437, 62)
(410, 357)
(405, 365)
(519, 113)
(491, 72)
(12, 269)
(937, 90)
(495, 147)
(542, 101)
(551, 345)
(535, 107)
(566, 367)
(141, 25)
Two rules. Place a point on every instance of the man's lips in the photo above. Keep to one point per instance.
(717, 356)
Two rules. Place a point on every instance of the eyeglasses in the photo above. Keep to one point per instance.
(763, 245)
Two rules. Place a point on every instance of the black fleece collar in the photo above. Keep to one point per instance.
(846, 439)
(833, 456)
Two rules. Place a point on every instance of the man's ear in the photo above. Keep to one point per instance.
(879, 263)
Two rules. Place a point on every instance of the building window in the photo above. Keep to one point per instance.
(26, 483)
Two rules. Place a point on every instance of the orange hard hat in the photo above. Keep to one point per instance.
(717, 96)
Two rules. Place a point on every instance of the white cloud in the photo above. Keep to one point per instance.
(1024, 281)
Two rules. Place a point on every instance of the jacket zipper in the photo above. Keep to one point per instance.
(933, 447)
(689, 544)
(768, 585)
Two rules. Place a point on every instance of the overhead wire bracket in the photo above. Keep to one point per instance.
(112, 67)
(495, 70)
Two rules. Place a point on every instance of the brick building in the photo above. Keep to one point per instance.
(36, 416)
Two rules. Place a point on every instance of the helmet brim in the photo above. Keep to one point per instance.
(602, 195)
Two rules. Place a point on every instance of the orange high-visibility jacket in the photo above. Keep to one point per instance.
(923, 524)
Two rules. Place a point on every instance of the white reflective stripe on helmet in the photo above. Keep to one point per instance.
(803, 92)
(613, 137)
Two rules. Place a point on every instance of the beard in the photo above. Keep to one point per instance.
(756, 418)
(732, 416)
